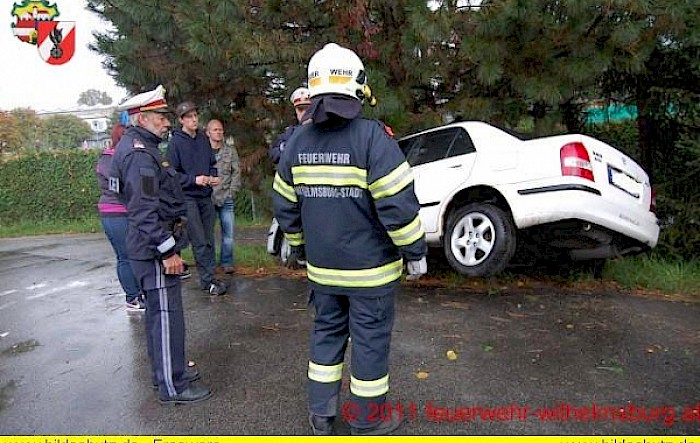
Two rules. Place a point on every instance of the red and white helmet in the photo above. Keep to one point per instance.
(300, 96)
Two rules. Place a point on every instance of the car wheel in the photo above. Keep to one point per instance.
(480, 240)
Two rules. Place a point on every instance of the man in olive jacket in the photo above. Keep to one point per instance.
(224, 192)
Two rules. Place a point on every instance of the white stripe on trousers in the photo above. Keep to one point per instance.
(165, 331)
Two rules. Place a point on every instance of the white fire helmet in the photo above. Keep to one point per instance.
(300, 96)
(336, 70)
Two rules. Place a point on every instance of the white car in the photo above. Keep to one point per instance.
(483, 192)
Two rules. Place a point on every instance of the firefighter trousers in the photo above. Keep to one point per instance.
(368, 318)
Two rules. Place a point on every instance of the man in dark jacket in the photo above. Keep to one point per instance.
(344, 191)
(190, 153)
(149, 188)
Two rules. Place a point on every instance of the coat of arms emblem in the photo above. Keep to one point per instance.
(35, 24)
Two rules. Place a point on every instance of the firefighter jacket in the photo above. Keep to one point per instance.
(150, 189)
(346, 193)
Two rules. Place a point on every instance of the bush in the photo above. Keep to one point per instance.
(677, 189)
(60, 186)
(48, 186)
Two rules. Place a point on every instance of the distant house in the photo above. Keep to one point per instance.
(99, 119)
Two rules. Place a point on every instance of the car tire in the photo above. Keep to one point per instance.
(480, 240)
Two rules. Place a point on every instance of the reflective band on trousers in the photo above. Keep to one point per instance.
(330, 175)
(408, 234)
(356, 278)
(284, 189)
(296, 239)
(393, 182)
(369, 388)
(325, 374)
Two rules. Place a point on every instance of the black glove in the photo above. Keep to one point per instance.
(297, 257)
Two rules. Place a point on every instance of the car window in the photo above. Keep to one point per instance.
(406, 145)
(462, 144)
(431, 147)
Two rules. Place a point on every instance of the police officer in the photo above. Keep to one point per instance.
(151, 192)
(344, 192)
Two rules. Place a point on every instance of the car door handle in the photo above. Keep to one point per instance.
(455, 166)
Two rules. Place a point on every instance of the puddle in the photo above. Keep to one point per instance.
(6, 392)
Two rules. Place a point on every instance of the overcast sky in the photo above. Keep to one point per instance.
(28, 81)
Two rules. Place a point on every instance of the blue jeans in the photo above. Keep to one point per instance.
(115, 228)
(226, 220)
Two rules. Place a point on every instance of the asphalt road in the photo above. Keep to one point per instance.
(529, 360)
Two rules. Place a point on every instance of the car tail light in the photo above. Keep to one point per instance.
(575, 161)
(652, 203)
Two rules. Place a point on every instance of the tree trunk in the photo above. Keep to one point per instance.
(644, 126)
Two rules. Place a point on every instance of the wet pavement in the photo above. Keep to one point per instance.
(530, 360)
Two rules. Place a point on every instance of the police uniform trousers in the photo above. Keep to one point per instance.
(367, 317)
(165, 326)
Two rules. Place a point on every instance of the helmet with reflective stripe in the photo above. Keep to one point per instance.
(336, 70)
(300, 96)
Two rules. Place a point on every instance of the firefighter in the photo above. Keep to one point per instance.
(344, 193)
(300, 100)
(149, 188)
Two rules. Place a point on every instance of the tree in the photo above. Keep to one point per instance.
(93, 97)
(64, 131)
(240, 61)
(10, 134)
(502, 62)
(29, 126)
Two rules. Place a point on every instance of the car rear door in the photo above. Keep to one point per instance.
(441, 161)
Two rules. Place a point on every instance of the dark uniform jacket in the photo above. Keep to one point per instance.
(346, 193)
(277, 148)
(150, 189)
(192, 157)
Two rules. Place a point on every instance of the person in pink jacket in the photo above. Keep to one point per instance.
(113, 219)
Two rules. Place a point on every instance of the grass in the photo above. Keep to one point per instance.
(650, 272)
(246, 255)
(88, 225)
(48, 227)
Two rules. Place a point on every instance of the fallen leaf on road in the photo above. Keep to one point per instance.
(422, 375)
(654, 348)
(487, 348)
(451, 355)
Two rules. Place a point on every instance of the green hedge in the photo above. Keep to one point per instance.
(53, 186)
(61, 185)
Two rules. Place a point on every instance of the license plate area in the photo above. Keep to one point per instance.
(624, 182)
